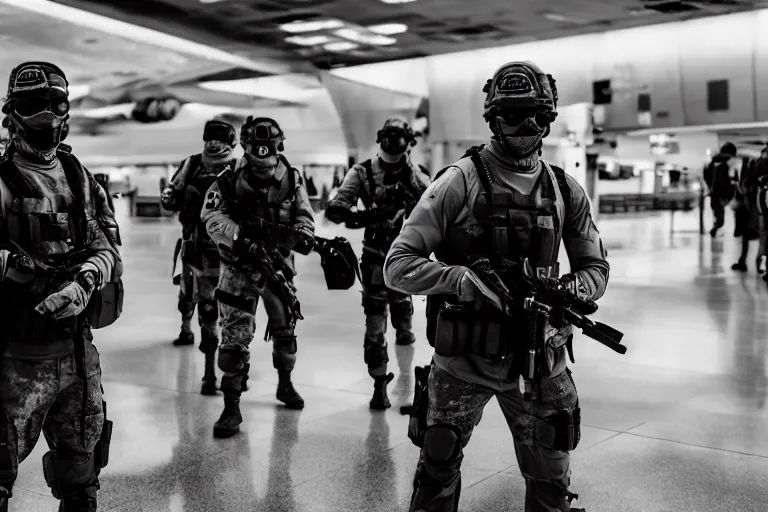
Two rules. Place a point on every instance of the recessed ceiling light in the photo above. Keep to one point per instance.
(210, 1)
(361, 37)
(397, 1)
(298, 27)
(389, 29)
(308, 40)
(341, 46)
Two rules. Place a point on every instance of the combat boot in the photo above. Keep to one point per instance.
(380, 400)
(209, 376)
(84, 501)
(405, 338)
(286, 393)
(185, 338)
(229, 422)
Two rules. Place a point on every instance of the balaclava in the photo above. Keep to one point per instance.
(520, 105)
(219, 138)
(37, 109)
(262, 140)
(395, 139)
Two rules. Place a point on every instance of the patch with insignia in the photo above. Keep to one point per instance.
(515, 83)
(212, 200)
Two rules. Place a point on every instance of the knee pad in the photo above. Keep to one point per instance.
(231, 360)
(373, 305)
(208, 311)
(442, 444)
(67, 475)
(403, 307)
(284, 343)
(375, 354)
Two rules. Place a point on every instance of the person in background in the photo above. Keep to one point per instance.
(745, 214)
(720, 179)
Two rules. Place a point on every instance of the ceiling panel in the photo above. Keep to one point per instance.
(433, 26)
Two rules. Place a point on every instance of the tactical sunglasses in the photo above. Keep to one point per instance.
(518, 117)
(55, 102)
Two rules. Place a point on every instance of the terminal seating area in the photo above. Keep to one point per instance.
(674, 201)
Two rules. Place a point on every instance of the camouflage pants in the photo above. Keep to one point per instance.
(376, 298)
(238, 294)
(455, 402)
(197, 290)
(47, 396)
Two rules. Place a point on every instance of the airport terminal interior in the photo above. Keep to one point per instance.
(651, 94)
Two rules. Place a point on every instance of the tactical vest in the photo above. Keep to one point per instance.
(396, 196)
(271, 203)
(36, 224)
(197, 250)
(515, 226)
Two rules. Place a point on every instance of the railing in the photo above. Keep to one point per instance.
(668, 201)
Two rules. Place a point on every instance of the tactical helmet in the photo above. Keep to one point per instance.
(37, 104)
(262, 137)
(220, 131)
(520, 86)
(392, 132)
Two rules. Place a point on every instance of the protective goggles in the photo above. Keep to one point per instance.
(393, 135)
(55, 102)
(219, 132)
(518, 116)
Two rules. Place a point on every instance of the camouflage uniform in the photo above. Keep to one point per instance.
(283, 202)
(199, 255)
(59, 241)
(460, 216)
(379, 186)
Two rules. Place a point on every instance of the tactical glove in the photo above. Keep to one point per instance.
(305, 245)
(573, 285)
(69, 301)
(166, 198)
(16, 267)
(472, 288)
(337, 214)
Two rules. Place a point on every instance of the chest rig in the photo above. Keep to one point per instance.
(269, 203)
(48, 228)
(394, 199)
(197, 248)
(515, 227)
(54, 234)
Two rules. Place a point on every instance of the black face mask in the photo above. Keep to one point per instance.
(395, 142)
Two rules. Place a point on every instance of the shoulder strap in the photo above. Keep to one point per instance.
(76, 174)
(292, 172)
(565, 189)
(368, 165)
(17, 184)
(482, 171)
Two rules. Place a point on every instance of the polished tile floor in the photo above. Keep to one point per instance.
(677, 424)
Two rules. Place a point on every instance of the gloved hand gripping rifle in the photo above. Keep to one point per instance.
(546, 301)
(255, 245)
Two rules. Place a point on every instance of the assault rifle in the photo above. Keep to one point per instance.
(254, 244)
(545, 300)
(276, 275)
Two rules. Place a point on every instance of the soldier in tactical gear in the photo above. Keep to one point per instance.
(500, 200)
(257, 214)
(389, 186)
(199, 254)
(59, 278)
